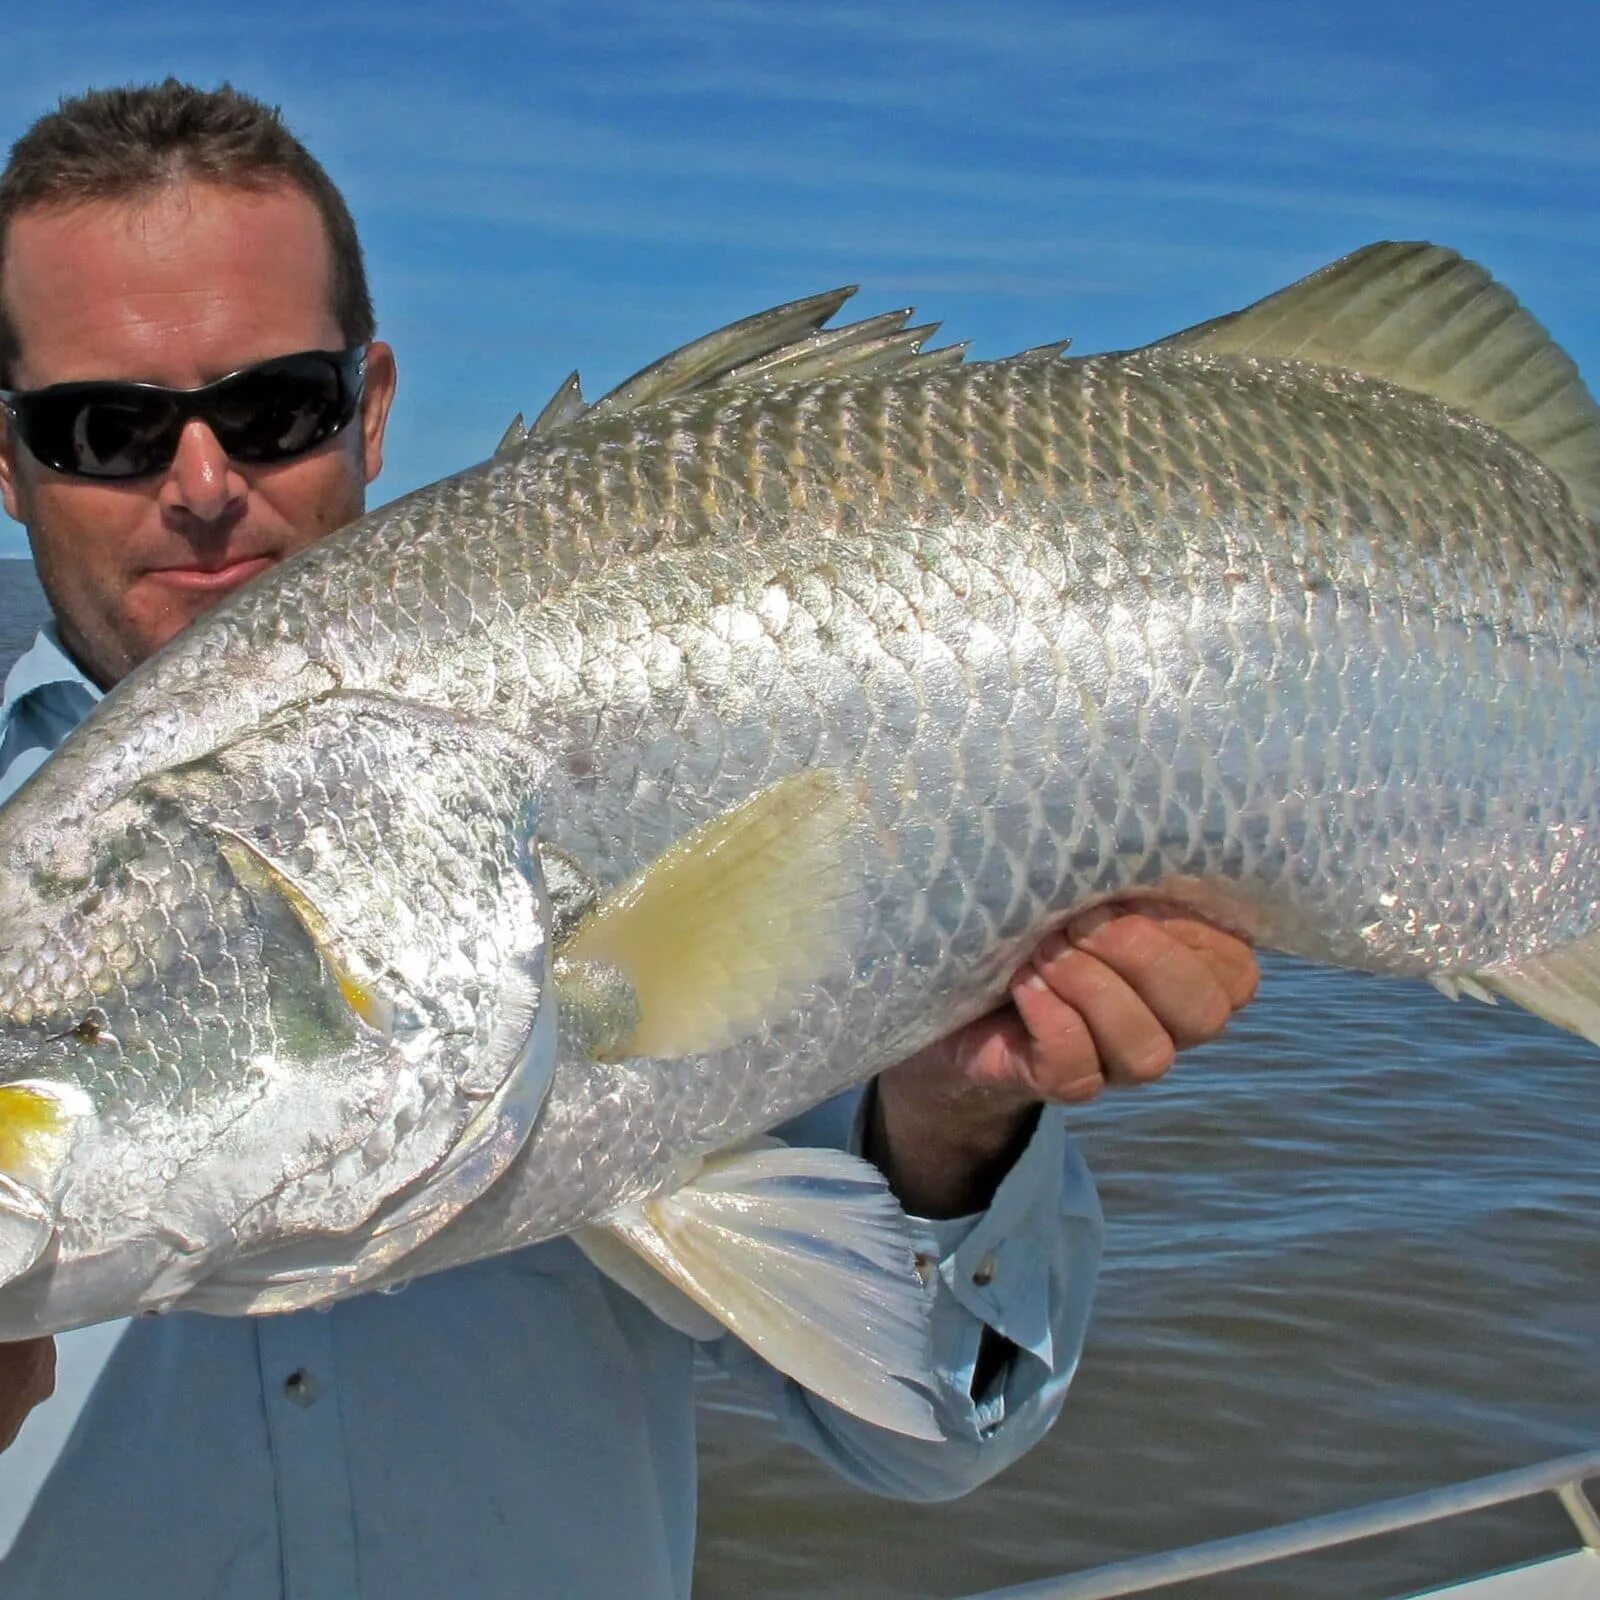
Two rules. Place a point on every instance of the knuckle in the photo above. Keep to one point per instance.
(1205, 1017)
(1153, 1060)
(1053, 1023)
(1052, 1070)
(1092, 983)
(1063, 1039)
(1079, 1091)
(1133, 938)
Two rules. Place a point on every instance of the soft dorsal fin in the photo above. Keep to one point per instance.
(1424, 318)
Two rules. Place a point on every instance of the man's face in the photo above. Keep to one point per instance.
(178, 289)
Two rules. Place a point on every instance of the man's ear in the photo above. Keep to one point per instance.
(9, 490)
(376, 400)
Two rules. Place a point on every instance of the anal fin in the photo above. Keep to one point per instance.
(611, 1252)
(1561, 985)
(805, 1256)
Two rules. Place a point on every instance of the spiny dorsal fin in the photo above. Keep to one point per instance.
(1424, 318)
(565, 405)
(1044, 352)
(704, 360)
(513, 439)
(949, 355)
(787, 344)
(874, 346)
(795, 359)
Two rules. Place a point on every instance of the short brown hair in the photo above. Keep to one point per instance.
(111, 144)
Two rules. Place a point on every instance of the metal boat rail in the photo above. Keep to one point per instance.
(1571, 1576)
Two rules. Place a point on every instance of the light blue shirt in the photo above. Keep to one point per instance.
(521, 1427)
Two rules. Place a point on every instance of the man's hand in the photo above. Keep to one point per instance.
(27, 1376)
(1111, 999)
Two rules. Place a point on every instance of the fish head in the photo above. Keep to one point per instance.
(137, 991)
(250, 1004)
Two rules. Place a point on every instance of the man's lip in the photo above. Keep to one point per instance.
(201, 579)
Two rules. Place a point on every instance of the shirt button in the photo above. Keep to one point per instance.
(983, 1273)
(300, 1387)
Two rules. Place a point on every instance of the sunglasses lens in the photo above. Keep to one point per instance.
(104, 437)
(280, 409)
(269, 412)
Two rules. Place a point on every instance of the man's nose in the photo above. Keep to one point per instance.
(202, 484)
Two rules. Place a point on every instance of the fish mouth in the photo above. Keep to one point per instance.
(26, 1229)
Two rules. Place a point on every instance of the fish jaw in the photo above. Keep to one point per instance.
(49, 1133)
(41, 1120)
(74, 1282)
(58, 1291)
(26, 1231)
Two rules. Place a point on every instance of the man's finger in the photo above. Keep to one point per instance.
(1230, 957)
(1177, 983)
(1056, 1051)
(1131, 1042)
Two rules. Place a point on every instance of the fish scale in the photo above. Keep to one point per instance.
(1298, 632)
(1306, 867)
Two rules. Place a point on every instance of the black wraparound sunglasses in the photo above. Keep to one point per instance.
(262, 413)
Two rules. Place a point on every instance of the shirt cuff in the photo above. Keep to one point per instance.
(1025, 1267)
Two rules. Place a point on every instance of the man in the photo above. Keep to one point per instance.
(520, 1426)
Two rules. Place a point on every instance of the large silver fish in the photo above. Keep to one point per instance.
(498, 868)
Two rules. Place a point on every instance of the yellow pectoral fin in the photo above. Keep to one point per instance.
(728, 927)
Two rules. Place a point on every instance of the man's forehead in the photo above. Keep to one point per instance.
(170, 217)
(194, 271)
(151, 214)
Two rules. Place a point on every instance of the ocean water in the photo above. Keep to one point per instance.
(21, 607)
(1353, 1252)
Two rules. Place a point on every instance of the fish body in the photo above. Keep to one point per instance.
(340, 939)
(1298, 722)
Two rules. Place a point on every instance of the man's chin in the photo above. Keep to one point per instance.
(163, 603)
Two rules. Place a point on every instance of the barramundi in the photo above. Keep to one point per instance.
(508, 864)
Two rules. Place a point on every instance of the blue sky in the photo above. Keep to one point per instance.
(542, 186)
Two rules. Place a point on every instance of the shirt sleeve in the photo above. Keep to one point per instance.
(33, 724)
(1022, 1271)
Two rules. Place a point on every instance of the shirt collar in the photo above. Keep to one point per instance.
(45, 662)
